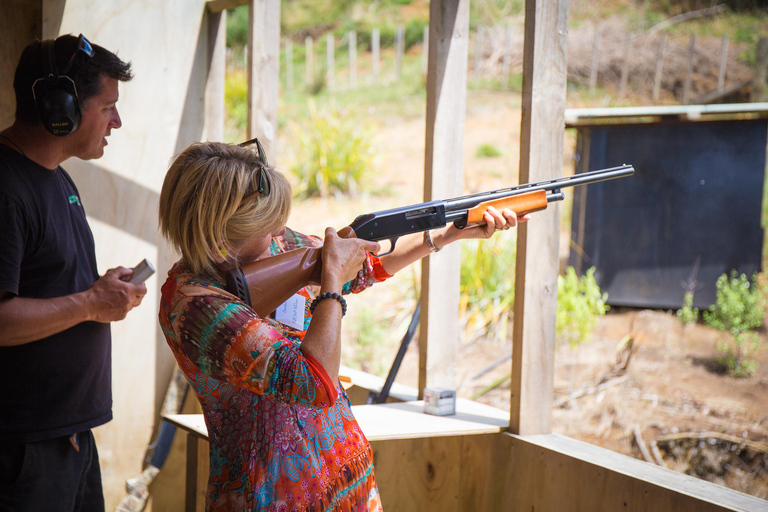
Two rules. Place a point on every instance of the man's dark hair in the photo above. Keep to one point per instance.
(85, 71)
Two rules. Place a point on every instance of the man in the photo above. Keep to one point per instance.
(55, 310)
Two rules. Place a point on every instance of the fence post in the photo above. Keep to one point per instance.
(723, 64)
(507, 55)
(309, 61)
(399, 47)
(689, 71)
(352, 59)
(424, 50)
(288, 65)
(479, 43)
(761, 63)
(595, 60)
(659, 66)
(330, 48)
(625, 65)
(375, 55)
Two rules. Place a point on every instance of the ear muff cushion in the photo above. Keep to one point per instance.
(61, 115)
(55, 95)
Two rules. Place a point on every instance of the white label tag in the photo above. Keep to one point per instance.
(291, 312)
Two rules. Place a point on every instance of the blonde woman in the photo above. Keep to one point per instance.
(282, 434)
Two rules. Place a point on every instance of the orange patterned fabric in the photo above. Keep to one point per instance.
(282, 435)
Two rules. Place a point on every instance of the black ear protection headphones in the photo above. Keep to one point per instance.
(56, 95)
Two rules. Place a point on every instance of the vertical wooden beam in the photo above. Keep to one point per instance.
(443, 177)
(288, 65)
(689, 70)
(352, 59)
(541, 157)
(659, 66)
(399, 50)
(375, 57)
(309, 60)
(723, 63)
(595, 59)
(217, 68)
(330, 52)
(625, 65)
(263, 70)
(761, 68)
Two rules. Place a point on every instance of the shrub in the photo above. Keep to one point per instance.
(739, 304)
(487, 151)
(333, 153)
(579, 303)
(688, 314)
(739, 309)
(488, 285)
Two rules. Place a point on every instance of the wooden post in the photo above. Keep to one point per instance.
(479, 47)
(424, 50)
(723, 64)
(217, 69)
(352, 59)
(541, 157)
(375, 56)
(625, 65)
(506, 55)
(659, 66)
(761, 63)
(263, 70)
(330, 51)
(399, 50)
(595, 60)
(689, 71)
(443, 178)
(289, 65)
(309, 61)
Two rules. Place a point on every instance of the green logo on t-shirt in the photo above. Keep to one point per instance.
(73, 199)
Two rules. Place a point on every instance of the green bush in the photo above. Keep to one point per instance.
(488, 285)
(333, 154)
(739, 309)
(739, 304)
(688, 314)
(487, 151)
(579, 303)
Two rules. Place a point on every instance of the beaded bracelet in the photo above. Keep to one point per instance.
(329, 295)
(428, 241)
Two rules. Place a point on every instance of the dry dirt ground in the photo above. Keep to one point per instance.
(670, 392)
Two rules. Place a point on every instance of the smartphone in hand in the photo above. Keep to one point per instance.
(141, 272)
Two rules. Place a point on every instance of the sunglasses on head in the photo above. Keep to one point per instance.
(264, 187)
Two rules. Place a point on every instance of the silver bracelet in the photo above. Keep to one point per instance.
(430, 243)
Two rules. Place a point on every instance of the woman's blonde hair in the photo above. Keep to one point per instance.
(210, 199)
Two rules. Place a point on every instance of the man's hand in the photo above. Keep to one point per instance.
(110, 298)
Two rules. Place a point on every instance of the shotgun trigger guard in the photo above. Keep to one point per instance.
(237, 285)
(392, 242)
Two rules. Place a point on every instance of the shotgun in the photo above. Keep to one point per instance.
(267, 283)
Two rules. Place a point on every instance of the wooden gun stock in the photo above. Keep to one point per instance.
(266, 283)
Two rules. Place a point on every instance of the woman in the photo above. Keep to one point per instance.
(282, 434)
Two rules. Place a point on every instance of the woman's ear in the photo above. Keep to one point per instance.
(220, 253)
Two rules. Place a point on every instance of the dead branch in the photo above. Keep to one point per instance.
(604, 383)
(638, 436)
(709, 11)
(756, 446)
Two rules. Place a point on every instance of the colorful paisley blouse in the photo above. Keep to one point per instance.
(282, 435)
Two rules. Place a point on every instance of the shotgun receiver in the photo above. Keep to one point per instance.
(267, 283)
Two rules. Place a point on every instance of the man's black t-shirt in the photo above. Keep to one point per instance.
(58, 385)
